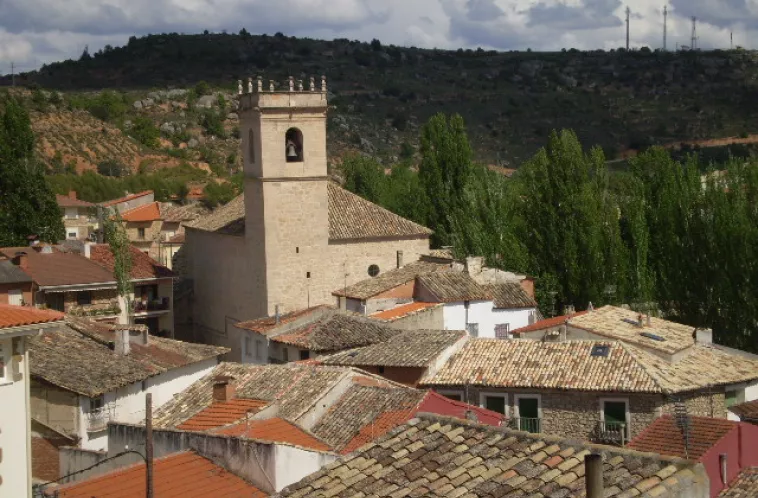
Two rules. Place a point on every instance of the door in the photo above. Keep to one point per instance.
(15, 297)
(614, 419)
(529, 414)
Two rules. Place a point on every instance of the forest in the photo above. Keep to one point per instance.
(662, 237)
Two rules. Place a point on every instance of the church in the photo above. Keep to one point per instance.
(294, 236)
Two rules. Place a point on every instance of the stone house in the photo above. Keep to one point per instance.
(294, 236)
(17, 325)
(86, 374)
(79, 217)
(15, 284)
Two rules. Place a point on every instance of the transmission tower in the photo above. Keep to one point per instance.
(693, 42)
(628, 11)
(665, 18)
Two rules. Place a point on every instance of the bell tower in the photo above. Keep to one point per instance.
(286, 198)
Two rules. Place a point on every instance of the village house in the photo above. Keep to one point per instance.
(86, 374)
(304, 334)
(436, 456)
(724, 447)
(129, 201)
(79, 217)
(17, 325)
(15, 284)
(745, 485)
(294, 236)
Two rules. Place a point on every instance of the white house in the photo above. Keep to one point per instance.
(16, 324)
(87, 374)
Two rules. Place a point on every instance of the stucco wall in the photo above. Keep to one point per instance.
(55, 407)
(516, 318)
(740, 450)
(456, 317)
(15, 441)
(429, 318)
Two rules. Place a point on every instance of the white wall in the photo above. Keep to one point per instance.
(517, 318)
(456, 317)
(750, 393)
(292, 464)
(15, 464)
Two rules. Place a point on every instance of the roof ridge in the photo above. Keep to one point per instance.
(634, 354)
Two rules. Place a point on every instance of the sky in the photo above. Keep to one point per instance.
(34, 32)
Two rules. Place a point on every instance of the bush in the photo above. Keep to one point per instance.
(111, 167)
(145, 132)
(213, 124)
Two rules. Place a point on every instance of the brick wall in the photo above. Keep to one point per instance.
(26, 289)
(45, 458)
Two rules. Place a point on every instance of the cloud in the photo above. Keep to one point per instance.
(483, 10)
(589, 15)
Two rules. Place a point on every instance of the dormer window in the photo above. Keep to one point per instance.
(293, 149)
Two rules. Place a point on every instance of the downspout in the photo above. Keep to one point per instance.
(27, 405)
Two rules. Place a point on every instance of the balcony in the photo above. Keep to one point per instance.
(95, 310)
(154, 306)
(97, 420)
(615, 433)
(533, 425)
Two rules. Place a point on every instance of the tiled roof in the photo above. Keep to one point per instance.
(269, 323)
(746, 411)
(147, 212)
(127, 198)
(80, 358)
(222, 413)
(403, 311)
(547, 323)
(179, 475)
(413, 348)
(276, 430)
(59, 268)
(350, 217)
(143, 266)
(390, 279)
(19, 316)
(179, 238)
(65, 201)
(454, 286)
(12, 274)
(510, 295)
(744, 486)
(570, 365)
(443, 457)
(619, 323)
(336, 331)
(664, 436)
(171, 213)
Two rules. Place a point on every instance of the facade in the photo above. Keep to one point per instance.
(129, 201)
(15, 284)
(294, 236)
(79, 217)
(16, 326)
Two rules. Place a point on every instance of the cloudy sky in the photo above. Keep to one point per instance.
(33, 32)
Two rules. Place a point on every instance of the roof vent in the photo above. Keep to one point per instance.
(600, 350)
(652, 336)
(46, 249)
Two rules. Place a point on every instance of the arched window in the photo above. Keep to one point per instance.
(251, 146)
(293, 146)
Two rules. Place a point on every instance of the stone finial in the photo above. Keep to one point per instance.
(260, 84)
(239, 87)
(313, 84)
(292, 84)
(323, 84)
(271, 85)
(250, 85)
(299, 85)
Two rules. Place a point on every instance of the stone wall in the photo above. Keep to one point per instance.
(100, 299)
(54, 407)
(700, 404)
(152, 234)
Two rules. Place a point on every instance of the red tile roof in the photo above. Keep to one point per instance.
(67, 201)
(222, 413)
(403, 310)
(19, 316)
(146, 212)
(378, 427)
(275, 430)
(180, 475)
(59, 268)
(127, 198)
(665, 437)
(143, 266)
(548, 323)
(268, 323)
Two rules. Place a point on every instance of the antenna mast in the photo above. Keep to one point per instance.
(665, 18)
(628, 11)
(693, 42)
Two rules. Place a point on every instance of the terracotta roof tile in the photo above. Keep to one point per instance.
(267, 324)
(275, 430)
(746, 411)
(65, 201)
(19, 316)
(438, 456)
(403, 311)
(127, 198)
(744, 486)
(547, 323)
(172, 213)
(146, 212)
(143, 266)
(58, 268)
(453, 286)
(179, 475)
(510, 295)
(664, 436)
(222, 413)
(390, 279)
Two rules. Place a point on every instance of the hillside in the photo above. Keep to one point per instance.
(510, 101)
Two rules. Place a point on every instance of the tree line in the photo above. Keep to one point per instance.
(660, 237)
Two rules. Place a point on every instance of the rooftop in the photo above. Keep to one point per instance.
(547, 323)
(56, 268)
(127, 198)
(453, 286)
(440, 456)
(143, 266)
(80, 357)
(275, 430)
(179, 475)
(746, 411)
(744, 486)
(12, 274)
(222, 413)
(70, 200)
(415, 348)
(665, 436)
(350, 217)
(20, 316)
(271, 323)
(147, 212)
(621, 324)
(403, 311)
(390, 279)
(510, 295)
(172, 213)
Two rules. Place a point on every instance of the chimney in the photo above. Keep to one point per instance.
(593, 475)
(640, 323)
(703, 336)
(590, 308)
(87, 250)
(223, 389)
(72, 194)
(473, 265)
(648, 320)
(399, 259)
(276, 314)
(723, 467)
(122, 346)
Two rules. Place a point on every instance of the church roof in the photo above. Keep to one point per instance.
(350, 217)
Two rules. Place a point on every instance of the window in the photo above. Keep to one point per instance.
(503, 331)
(305, 354)
(251, 146)
(614, 419)
(54, 301)
(381, 370)
(293, 149)
(285, 355)
(248, 346)
(308, 274)
(494, 401)
(84, 298)
(473, 329)
(454, 395)
(72, 213)
(15, 297)
(528, 412)
(373, 270)
(141, 233)
(96, 404)
(72, 235)
(259, 350)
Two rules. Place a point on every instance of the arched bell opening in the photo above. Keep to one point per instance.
(294, 146)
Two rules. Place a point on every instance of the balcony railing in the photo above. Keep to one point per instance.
(94, 310)
(526, 424)
(612, 433)
(140, 306)
(97, 420)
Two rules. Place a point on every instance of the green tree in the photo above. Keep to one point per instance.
(145, 132)
(119, 244)
(365, 177)
(202, 88)
(27, 205)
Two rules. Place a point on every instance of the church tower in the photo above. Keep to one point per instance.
(286, 199)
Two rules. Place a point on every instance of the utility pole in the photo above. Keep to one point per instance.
(731, 40)
(665, 18)
(628, 11)
(13, 74)
(693, 42)
(149, 445)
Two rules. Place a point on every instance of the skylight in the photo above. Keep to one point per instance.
(652, 336)
(600, 350)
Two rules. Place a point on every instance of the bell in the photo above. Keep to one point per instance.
(291, 152)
